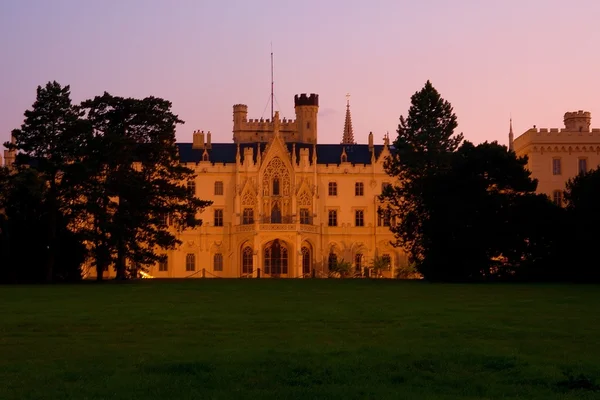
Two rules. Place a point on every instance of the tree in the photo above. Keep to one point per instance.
(582, 196)
(23, 226)
(137, 181)
(50, 139)
(419, 154)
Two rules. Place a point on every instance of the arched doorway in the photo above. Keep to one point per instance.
(247, 260)
(276, 258)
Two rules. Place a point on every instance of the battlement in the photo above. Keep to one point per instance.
(578, 120)
(304, 100)
(578, 114)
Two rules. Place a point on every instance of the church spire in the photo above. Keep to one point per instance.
(348, 137)
(511, 138)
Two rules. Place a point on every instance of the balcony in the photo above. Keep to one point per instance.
(283, 223)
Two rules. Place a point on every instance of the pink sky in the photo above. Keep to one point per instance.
(532, 59)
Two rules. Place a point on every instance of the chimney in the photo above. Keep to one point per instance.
(208, 145)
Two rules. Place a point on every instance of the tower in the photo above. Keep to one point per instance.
(306, 108)
(579, 121)
(240, 117)
(511, 138)
(348, 136)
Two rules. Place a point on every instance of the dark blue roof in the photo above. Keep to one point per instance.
(326, 153)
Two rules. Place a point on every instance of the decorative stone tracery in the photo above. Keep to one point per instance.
(277, 169)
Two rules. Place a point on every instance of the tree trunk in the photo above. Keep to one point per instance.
(52, 242)
(120, 265)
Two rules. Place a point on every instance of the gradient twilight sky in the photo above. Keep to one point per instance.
(532, 59)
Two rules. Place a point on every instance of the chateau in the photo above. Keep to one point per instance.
(283, 204)
(556, 155)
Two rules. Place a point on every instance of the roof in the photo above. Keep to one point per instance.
(326, 153)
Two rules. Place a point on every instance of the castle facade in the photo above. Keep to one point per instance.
(556, 155)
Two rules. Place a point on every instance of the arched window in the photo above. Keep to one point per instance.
(306, 260)
(218, 262)
(358, 261)
(276, 186)
(276, 214)
(247, 261)
(276, 258)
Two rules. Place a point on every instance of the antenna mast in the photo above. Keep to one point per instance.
(272, 82)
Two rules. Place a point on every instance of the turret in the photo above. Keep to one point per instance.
(371, 141)
(511, 138)
(306, 108)
(208, 145)
(579, 121)
(240, 115)
(198, 140)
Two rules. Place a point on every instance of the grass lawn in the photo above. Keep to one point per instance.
(291, 339)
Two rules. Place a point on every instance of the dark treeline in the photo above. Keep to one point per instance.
(94, 183)
(468, 213)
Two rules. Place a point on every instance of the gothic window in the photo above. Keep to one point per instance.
(218, 262)
(248, 216)
(275, 186)
(304, 216)
(247, 261)
(332, 260)
(332, 218)
(190, 262)
(219, 188)
(276, 214)
(191, 188)
(276, 259)
(305, 199)
(276, 169)
(163, 265)
(218, 217)
(359, 189)
(359, 218)
(333, 188)
(306, 260)
(249, 199)
(556, 166)
(557, 197)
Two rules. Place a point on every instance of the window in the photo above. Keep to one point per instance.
(304, 216)
(164, 219)
(276, 259)
(163, 265)
(219, 188)
(247, 261)
(248, 216)
(332, 218)
(359, 218)
(276, 187)
(582, 166)
(332, 260)
(305, 260)
(383, 218)
(358, 261)
(275, 214)
(388, 260)
(332, 188)
(385, 185)
(218, 262)
(190, 262)
(359, 189)
(557, 198)
(191, 188)
(556, 166)
(218, 217)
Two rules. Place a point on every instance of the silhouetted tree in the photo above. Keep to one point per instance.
(582, 197)
(420, 152)
(137, 181)
(50, 138)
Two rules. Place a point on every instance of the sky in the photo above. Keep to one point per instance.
(531, 60)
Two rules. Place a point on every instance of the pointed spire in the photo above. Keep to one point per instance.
(511, 137)
(348, 137)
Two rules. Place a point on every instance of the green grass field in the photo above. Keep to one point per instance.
(291, 339)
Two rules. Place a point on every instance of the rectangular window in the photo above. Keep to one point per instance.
(332, 218)
(358, 261)
(359, 189)
(384, 185)
(190, 262)
(383, 218)
(304, 216)
(332, 188)
(248, 216)
(556, 166)
(388, 260)
(191, 188)
(557, 198)
(582, 167)
(359, 218)
(218, 217)
(163, 265)
(218, 262)
(218, 188)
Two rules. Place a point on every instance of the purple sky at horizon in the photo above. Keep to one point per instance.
(532, 59)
